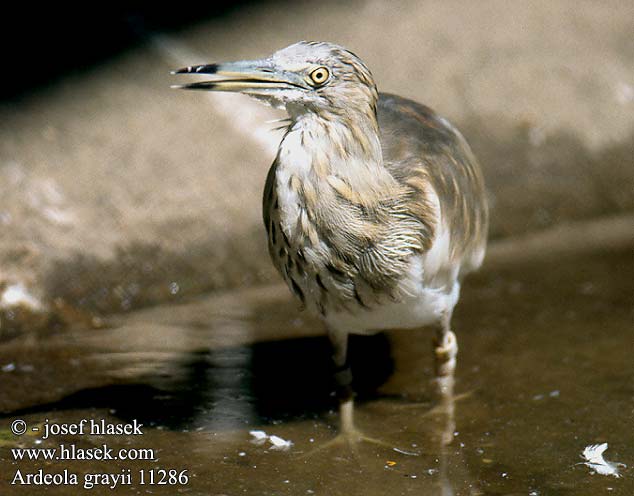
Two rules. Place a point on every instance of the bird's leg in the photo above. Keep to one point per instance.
(445, 352)
(343, 373)
(343, 381)
(348, 433)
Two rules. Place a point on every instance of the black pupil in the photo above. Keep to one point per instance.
(319, 75)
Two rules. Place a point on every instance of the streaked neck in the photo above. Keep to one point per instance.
(342, 144)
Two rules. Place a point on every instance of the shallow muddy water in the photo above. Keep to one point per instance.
(545, 370)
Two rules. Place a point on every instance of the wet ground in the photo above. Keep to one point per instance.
(545, 370)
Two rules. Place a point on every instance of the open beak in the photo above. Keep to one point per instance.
(247, 76)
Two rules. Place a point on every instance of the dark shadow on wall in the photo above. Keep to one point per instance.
(44, 42)
(145, 274)
(538, 181)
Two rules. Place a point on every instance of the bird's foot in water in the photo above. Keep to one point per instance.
(350, 438)
(351, 441)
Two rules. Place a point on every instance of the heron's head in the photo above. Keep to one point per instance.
(305, 77)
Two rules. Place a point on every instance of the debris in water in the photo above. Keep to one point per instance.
(279, 443)
(9, 367)
(403, 452)
(259, 437)
(593, 454)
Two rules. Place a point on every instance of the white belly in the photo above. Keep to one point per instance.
(419, 305)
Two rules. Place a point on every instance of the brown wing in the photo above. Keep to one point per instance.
(420, 148)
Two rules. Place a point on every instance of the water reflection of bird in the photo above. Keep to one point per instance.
(375, 207)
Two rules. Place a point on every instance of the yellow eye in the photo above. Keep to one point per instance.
(320, 75)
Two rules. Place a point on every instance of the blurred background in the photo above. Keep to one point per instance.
(118, 192)
(135, 280)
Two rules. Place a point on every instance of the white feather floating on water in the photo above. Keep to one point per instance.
(593, 455)
(279, 443)
(260, 437)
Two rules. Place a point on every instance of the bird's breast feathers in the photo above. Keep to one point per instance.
(343, 257)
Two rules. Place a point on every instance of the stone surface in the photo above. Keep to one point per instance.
(117, 192)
